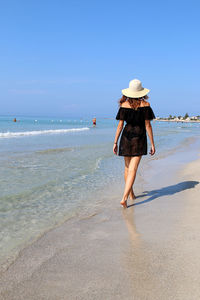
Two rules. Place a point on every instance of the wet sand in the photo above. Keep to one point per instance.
(148, 251)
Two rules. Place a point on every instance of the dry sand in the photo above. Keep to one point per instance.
(148, 251)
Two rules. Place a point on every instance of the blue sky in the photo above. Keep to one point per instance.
(72, 58)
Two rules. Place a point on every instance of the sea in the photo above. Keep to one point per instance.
(54, 169)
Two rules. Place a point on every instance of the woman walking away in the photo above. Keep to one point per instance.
(136, 111)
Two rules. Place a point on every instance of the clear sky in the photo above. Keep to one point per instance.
(72, 58)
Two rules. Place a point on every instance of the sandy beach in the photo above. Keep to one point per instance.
(82, 81)
(148, 251)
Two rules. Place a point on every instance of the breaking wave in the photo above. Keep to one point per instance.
(9, 134)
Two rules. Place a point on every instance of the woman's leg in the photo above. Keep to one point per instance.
(127, 162)
(132, 170)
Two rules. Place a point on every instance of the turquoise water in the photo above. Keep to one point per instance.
(53, 169)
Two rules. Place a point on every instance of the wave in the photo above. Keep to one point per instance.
(9, 134)
(54, 150)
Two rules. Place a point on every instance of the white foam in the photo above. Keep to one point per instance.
(98, 162)
(9, 134)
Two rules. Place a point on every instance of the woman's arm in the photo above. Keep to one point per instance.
(118, 132)
(150, 134)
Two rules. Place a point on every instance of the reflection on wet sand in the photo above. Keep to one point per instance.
(128, 216)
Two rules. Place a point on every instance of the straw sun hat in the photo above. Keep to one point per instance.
(135, 89)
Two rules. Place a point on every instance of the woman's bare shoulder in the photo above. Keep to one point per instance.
(144, 103)
(125, 104)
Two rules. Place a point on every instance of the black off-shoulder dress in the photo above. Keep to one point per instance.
(133, 141)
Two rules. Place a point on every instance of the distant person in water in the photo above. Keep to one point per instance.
(14, 120)
(136, 111)
(94, 122)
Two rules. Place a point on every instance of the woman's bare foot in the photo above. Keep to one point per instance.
(124, 203)
(132, 196)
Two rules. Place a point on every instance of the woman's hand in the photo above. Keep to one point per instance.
(153, 150)
(115, 147)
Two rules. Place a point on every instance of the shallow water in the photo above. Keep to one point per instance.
(54, 169)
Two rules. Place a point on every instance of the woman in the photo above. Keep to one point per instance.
(136, 111)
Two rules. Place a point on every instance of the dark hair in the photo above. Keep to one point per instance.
(134, 102)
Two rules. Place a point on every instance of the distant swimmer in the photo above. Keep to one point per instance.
(94, 121)
(15, 120)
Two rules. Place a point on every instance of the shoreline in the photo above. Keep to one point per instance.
(144, 165)
(178, 121)
(88, 257)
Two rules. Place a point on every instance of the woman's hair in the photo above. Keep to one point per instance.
(134, 102)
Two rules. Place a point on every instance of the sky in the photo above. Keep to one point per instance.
(73, 58)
